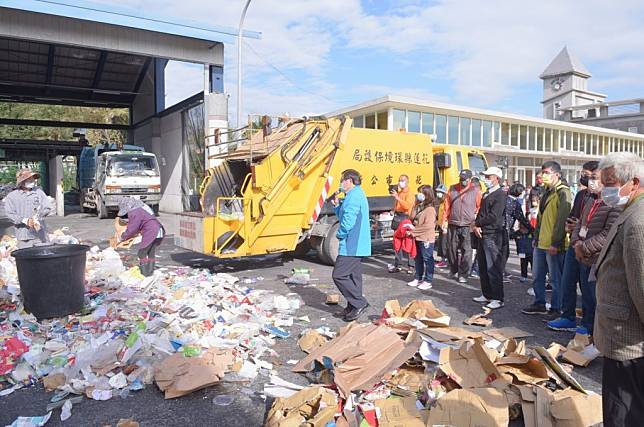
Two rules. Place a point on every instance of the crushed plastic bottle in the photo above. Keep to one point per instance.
(223, 400)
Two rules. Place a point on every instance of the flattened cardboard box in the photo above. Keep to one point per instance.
(361, 355)
(473, 407)
(396, 412)
(470, 366)
(314, 406)
(178, 375)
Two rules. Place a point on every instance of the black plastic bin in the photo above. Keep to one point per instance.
(52, 279)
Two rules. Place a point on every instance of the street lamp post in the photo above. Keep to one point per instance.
(239, 65)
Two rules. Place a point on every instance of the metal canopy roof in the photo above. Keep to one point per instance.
(114, 15)
(68, 75)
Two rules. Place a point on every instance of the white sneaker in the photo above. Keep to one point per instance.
(425, 286)
(481, 299)
(462, 280)
(413, 283)
(494, 304)
(531, 292)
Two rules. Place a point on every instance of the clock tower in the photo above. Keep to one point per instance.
(565, 84)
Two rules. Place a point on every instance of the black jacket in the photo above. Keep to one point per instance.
(491, 217)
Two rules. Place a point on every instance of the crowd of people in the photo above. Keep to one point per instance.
(594, 242)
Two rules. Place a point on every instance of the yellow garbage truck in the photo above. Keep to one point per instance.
(271, 193)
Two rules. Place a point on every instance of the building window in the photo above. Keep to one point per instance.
(537, 138)
(382, 120)
(543, 144)
(476, 133)
(452, 130)
(633, 129)
(590, 143)
(441, 125)
(487, 133)
(428, 123)
(497, 132)
(399, 120)
(465, 131)
(555, 143)
(514, 135)
(532, 138)
(358, 121)
(413, 121)
(523, 137)
(505, 134)
(370, 121)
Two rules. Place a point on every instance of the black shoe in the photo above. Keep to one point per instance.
(344, 312)
(355, 313)
(552, 315)
(535, 309)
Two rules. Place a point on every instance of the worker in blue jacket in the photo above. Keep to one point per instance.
(354, 236)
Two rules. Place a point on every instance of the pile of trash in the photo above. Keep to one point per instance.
(184, 329)
(412, 368)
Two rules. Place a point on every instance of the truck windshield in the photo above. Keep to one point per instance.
(132, 165)
(477, 163)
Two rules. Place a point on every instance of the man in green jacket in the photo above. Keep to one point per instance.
(551, 241)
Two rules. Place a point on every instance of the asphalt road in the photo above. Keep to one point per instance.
(150, 409)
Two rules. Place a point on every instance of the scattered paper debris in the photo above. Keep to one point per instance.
(310, 340)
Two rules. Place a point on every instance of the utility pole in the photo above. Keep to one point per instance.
(239, 65)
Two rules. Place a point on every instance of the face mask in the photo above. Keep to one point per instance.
(30, 185)
(610, 196)
(420, 197)
(546, 178)
(439, 195)
(593, 185)
(488, 182)
(464, 182)
(584, 181)
(402, 184)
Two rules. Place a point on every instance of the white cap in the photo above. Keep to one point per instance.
(493, 170)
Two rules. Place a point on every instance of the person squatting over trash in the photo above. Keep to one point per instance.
(26, 207)
(141, 220)
(354, 236)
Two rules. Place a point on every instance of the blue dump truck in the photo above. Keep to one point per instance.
(106, 173)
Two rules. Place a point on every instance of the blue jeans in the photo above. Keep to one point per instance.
(424, 261)
(575, 272)
(543, 263)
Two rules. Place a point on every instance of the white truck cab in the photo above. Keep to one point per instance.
(133, 173)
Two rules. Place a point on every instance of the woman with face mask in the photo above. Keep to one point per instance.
(26, 207)
(424, 233)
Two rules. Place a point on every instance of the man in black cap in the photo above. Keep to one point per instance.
(462, 203)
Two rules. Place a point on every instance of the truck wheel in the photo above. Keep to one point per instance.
(101, 209)
(302, 249)
(330, 246)
(83, 209)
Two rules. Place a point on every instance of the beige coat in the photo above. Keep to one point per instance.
(619, 318)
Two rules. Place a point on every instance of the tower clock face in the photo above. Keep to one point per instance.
(556, 84)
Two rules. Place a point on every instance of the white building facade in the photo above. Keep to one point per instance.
(518, 144)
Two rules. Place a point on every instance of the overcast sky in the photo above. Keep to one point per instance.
(336, 53)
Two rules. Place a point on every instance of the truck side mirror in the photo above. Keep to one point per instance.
(442, 160)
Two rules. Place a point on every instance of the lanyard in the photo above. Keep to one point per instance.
(593, 210)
